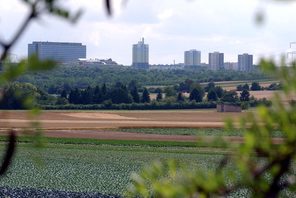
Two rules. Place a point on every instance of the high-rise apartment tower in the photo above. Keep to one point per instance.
(245, 62)
(141, 55)
(192, 58)
(216, 60)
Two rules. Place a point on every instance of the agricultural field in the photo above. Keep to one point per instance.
(115, 119)
(97, 151)
(93, 168)
(191, 131)
(231, 85)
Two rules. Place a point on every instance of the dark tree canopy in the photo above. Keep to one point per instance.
(230, 96)
(145, 96)
(180, 97)
(159, 96)
(135, 95)
(212, 95)
(196, 94)
(245, 95)
(255, 86)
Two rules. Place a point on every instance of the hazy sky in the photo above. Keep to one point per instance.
(169, 26)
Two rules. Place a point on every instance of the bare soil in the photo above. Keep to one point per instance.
(101, 124)
(118, 119)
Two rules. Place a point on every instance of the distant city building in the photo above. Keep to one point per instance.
(192, 58)
(178, 66)
(97, 62)
(216, 60)
(58, 51)
(141, 55)
(245, 62)
(205, 65)
(291, 54)
(230, 66)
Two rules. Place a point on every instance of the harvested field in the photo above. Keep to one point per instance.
(104, 116)
(263, 94)
(119, 119)
(103, 124)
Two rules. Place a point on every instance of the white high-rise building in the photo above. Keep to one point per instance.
(245, 62)
(216, 60)
(141, 55)
(192, 58)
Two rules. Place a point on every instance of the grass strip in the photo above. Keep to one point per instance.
(87, 141)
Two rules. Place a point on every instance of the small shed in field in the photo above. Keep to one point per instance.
(228, 108)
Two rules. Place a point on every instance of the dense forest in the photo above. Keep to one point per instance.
(81, 77)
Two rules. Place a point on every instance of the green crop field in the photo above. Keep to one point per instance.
(93, 168)
(185, 131)
(191, 131)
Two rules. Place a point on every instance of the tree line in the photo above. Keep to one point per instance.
(188, 92)
(255, 86)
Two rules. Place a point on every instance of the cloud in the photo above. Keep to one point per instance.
(169, 26)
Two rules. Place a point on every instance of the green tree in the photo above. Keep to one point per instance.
(120, 95)
(104, 90)
(64, 94)
(246, 87)
(212, 95)
(135, 95)
(145, 96)
(255, 86)
(159, 96)
(169, 92)
(197, 94)
(245, 95)
(219, 91)
(210, 85)
(239, 88)
(180, 97)
(74, 96)
(87, 96)
(61, 101)
(16, 94)
(230, 96)
(97, 95)
(132, 85)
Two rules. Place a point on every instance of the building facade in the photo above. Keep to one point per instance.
(192, 58)
(57, 51)
(216, 60)
(141, 55)
(230, 66)
(245, 62)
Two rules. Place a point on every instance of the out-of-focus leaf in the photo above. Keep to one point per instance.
(34, 64)
(13, 71)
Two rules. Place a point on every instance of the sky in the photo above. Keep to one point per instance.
(169, 27)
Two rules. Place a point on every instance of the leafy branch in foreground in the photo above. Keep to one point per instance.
(259, 166)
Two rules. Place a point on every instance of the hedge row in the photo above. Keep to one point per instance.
(133, 106)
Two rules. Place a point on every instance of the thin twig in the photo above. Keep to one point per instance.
(9, 152)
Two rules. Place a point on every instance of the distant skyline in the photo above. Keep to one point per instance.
(170, 27)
